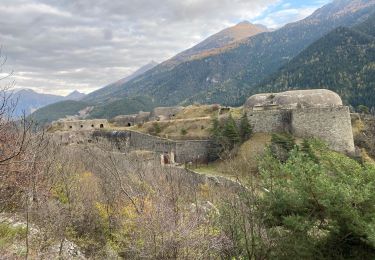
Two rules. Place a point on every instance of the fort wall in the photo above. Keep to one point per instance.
(269, 121)
(184, 151)
(80, 125)
(331, 124)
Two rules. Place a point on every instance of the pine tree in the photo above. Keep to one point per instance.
(231, 132)
(216, 129)
(245, 128)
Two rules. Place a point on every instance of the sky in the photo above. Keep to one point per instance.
(58, 46)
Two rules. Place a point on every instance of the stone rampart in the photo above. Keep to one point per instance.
(80, 125)
(184, 151)
(269, 121)
(331, 124)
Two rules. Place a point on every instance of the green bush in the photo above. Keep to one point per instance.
(183, 131)
(155, 129)
(320, 206)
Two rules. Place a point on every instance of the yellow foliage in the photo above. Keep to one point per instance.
(358, 127)
(204, 190)
(129, 212)
(104, 211)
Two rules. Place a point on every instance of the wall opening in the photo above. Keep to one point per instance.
(129, 124)
(101, 126)
(166, 159)
(70, 127)
(92, 125)
(81, 126)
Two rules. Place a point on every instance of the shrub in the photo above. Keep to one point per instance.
(155, 129)
(183, 131)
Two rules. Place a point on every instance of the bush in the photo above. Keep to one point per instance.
(155, 129)
(183, 131)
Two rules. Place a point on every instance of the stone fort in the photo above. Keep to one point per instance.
(318, 113)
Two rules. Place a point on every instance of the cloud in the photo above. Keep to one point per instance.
(280, 18)
(57, 46)
(283, 12)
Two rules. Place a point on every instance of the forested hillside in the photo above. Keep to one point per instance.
(229, 76)
(343, 61)
(58, 110)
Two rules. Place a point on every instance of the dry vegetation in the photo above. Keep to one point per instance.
(178, 129)
(193, 122)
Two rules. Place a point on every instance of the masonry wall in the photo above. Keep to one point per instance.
(190, 151)
(184, 151)
(81, 125)
(151, 143)
(331, 124)
(269, 121)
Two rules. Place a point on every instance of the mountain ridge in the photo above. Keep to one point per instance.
(228, 77)
(216, 43)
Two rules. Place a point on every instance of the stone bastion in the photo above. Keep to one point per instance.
(316, 113)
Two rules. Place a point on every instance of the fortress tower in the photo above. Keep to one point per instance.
(304, 113)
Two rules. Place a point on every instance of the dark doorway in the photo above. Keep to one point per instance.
(166, 159)
(101, 126)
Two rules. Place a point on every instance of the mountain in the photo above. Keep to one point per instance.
(342, 61)
(58, 110)
(106, 110)
(105, 91)
(217, 43)
(75, 95)
(228, 77)
(29, 100)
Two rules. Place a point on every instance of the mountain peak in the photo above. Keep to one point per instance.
(75, 95)
(219, 41)
(244, 22)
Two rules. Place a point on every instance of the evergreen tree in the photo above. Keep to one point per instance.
(231, 133)
(320, 206)
(245, 128)
(216, 129)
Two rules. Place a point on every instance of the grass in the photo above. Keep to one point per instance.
(195, 128)
(9, 233)
(198, 111)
